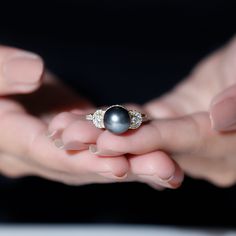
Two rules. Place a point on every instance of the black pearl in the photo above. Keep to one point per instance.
(117, 119)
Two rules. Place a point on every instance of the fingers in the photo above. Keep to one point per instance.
(184, 134)
(74, 131)
(13, 167)
(157, 168)
(222, 110)
(20, 72)
(79, 135)
(162, 107)
(24, 136)
(60, 122)
(16, 167)
(220, 172)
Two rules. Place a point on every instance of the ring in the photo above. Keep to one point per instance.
(117, 119)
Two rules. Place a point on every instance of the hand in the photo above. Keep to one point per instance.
(208, 84)
(222, 110)
(151, 165)
(73, 134)
(24, 147)
(201, 151)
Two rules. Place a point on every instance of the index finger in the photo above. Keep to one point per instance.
(182, 134)
(25, 136)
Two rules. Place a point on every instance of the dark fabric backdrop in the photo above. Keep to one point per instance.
(114, 52)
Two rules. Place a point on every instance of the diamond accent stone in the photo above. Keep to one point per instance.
(98, 118)
(136, 119)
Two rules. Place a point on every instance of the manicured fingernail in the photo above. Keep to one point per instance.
(223, 115)
(176, 181)
(58, 143)
(173, 181)
(50, 134)
(23, 68)
(75, 146)
(156, 178)
(55, 134)
(94, 149)
(161, 176)
(112, 176)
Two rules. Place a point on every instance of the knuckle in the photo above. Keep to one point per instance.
(7, 106)
(59, 120)
(198, 127)
(11, 171)
(13, 174)
(29, 148)
(224, 180)
(107, 141)
(71, 182)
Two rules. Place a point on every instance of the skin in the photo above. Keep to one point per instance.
(25, 147)
(26, 141)
(192, 129)
(188, 132)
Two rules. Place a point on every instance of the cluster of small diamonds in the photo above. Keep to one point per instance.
(98, 118)
(136, 119)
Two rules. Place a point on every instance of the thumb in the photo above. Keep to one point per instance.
(20, 71)
(223, 110)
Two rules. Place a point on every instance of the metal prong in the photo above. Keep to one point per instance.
(145, 117)
(89, 117)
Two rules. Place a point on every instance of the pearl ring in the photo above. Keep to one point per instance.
(117, 119)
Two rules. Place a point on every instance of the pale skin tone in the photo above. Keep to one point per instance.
(185, 134)
(192, 135)
(25, 146)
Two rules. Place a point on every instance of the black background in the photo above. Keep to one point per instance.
(112, 45)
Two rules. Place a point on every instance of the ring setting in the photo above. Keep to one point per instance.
(117, 119)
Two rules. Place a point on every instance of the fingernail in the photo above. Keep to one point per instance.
(156, 178)
(75, 146)
(50, 134)
(94, 149)
(223, 115)
(55, 134)
(23, 68)
(163, 176)
(173, 181)
(58, 143)
(112, 176)
(176, 181)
